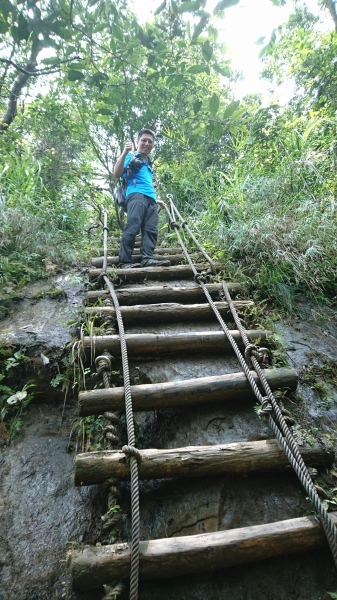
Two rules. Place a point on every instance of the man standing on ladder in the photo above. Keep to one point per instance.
(141, 202)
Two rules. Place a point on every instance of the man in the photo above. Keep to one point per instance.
(141, 202)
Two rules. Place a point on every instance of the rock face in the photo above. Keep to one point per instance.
(41, 510)
(43, 514)
(41, 325)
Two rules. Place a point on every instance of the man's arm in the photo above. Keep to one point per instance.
(119, 166)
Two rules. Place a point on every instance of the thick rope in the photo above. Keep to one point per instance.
(268, 402)
(190, 233)
(129, 450)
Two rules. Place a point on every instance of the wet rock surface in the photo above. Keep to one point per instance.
(43, 514)
(41, 325)
(41, 510)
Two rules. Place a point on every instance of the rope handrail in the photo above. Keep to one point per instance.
(268, 402)
(131, 452)
(184, 224)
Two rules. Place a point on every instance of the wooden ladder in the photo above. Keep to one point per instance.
(146, 300)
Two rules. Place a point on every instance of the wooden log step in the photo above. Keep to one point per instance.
(164, 273)
(160, 250)
(194, 461)
(140, 344)
(169, 312)
(164, 293)
(114, 260)
(190, 392)
(92, 566)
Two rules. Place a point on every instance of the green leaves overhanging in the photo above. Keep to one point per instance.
(214, 104)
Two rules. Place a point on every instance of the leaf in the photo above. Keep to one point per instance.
(199, 28)
(151, 59)
(269, 47)
(160, 8)
(197, 106)
(224, 4)
(112, 45)
(217, 131)
(189, 7)
(18, 397)
(52, 60)
(104, 111)
(260, 40)
(308, 130)
(233, 106)
(15, 35)
(207, 50)
(224, 71)
(196, 69)
(75, 75)
(23, 29)
(214, 104)
(118, 33)
(6, 8)
(237, 113)
(4, 27)
(188, 30)
(177, 81)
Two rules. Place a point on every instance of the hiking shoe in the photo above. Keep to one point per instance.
(152, 262)
(129, 266)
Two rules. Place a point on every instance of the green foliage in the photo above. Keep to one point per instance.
(13, 402)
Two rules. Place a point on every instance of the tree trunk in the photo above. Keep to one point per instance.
(8, 118)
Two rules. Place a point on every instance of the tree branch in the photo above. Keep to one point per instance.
(39, 72)
(15, 92)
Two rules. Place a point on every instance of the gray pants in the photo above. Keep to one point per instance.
(142, 215)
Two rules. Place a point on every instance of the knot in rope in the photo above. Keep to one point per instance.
(113, 417)
(103, 363)
(105, 228)
(266, 407)
(169, 196)
(132, 452)
(112, 593)
(252, 350)
(184, 224)
(100, 279)
(199, 278)
(174, 225)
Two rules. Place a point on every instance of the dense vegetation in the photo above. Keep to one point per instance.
(257, 183)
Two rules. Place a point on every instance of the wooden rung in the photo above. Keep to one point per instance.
(139, 344)
(175, 259)
(164, 293)
(190, 392)
(168, 312)
(115, 251)
(194, 461)
(164, 273)
(207, 552)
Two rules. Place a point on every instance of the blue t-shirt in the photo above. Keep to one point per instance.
(141, 181)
